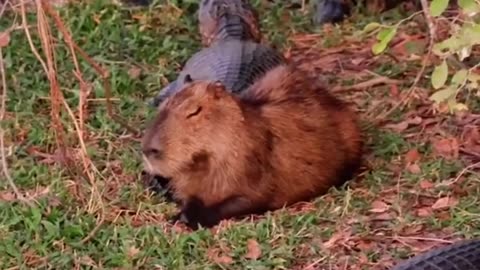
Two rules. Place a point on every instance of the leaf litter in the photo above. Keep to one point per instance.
(353, 61)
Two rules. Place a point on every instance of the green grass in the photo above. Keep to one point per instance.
(129, 228)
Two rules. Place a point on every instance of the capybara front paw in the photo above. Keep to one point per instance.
(195, 213)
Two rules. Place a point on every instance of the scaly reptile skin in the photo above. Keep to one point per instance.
(221, 20)
(463, 255)
(237, 64)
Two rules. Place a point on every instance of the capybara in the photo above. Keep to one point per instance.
(284, 140)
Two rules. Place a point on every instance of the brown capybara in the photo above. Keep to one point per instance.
(282, 141)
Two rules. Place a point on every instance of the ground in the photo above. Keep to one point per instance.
(418, 188)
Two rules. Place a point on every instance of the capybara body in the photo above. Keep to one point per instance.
(282, 141)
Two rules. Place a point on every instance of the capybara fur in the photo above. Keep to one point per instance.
(284, 140)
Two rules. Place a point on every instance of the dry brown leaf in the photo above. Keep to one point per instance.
(445, 203)
(447, 148)
(4, 39)
(412, 156)
(383, 217)
(424, 212)
(399, 127)
(366, 244)
(414, 168)
(413, 229)
(7, 196)
(379, 207)
(335, 238)
(134, 72)
(425, 184)
(216, 256)
(253, 250)
(132, 252)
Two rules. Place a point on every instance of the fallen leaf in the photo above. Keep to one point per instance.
(413, 229)
(335, 238)
(443, 216)
(425, 184)
(134, 72)
(363, 259)
(444, 203)
(7, 196)
(412, 156)
(132, 251)
(414, 168)
(366, 245)
(383, 217)
(399, 127)
(394, 90)
(424, 212)
(379, 207)
(253, 250)
(447, 148)
(4, 39)
(216, 256)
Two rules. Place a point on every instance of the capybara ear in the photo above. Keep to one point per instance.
(216, 89)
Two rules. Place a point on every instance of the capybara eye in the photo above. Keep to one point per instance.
(196, 112)
(188, 79)
(151, 152)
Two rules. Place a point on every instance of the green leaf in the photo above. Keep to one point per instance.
(460, 76)
(386, 33)
(440, 75)
(443, 94)
(469, 6)
(437, 7)
(384, 37)
(371, 26)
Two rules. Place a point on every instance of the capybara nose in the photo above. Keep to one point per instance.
(152, 152)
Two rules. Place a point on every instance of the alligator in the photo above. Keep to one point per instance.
(221, 20)
(234, 54)
(464, 255)
(237, 64)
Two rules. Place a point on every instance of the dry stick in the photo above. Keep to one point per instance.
(79, 129)
(2, 143)
(432, 32)
(100, 70)
(78, 125)
(55, 93)
(366, 84)
(463, 172)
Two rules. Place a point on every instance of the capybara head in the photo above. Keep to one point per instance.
(192, 128)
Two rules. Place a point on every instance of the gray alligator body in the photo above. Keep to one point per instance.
(237, 64)
(463, 255)
(221, 20)
(233, 55)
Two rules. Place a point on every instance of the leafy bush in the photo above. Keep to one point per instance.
(464, 35)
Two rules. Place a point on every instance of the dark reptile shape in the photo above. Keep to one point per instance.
(462, 255)
(235, 63)
(221, 20)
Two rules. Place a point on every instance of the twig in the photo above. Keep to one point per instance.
(421, 239)
(92, 233)
(469, 167)
(366, 84)
(2, 143)
(315, 263)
